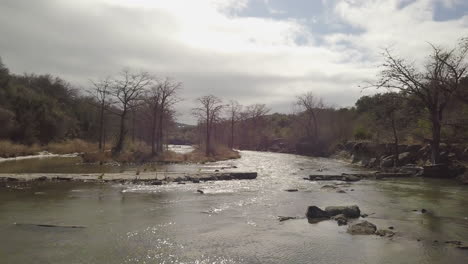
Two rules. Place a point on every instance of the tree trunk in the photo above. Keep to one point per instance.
(232, 133)
(133, 125)
(435, 143)
(119, 146)
(101, 128)
(207, 151)
(315, 126)
(153, 133)
(395, 138)
(160, 131)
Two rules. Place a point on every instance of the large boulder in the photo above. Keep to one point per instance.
(406, 158)
(387, 162)
(362, 228)
(313, 212)
(413, 148)
(348, 211)
(463, 178)
(436, 171)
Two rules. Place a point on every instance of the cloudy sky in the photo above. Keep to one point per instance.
(254, 51)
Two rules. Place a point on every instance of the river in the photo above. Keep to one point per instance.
(234, 221)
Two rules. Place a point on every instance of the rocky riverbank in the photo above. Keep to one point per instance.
(150, 178)
(413, 160)
(352, 217)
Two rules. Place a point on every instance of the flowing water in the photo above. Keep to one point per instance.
(234, 221)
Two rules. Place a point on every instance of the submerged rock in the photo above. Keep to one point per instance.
(156, 183)
(314, 213)
(328, 187)
(454, 242)
(351, 178)
(340, 219)
(384, 233)
(352, 211)
(200, 191)
(285, 218)
(362, 228)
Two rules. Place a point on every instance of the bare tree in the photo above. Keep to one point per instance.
(167, 90)
(435, 85)
(101, 93)
(208, 113)
(128, 89)
(233, 110)
(308, 104)
(160, 98)
(254, 121)
(153, 99)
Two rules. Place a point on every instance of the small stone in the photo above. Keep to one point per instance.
(328, 187)
(423, 211)
(200, 191)
(291, 190)
(364, 215)
(454, 242)
(391, 227)
(285, 218)
(362, 228)
(384, 233)
(340, 219)
(340, 191)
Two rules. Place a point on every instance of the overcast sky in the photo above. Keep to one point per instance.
(254, 51)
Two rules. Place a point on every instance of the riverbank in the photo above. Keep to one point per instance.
(135, 153)
(412, 160)
(149, 178)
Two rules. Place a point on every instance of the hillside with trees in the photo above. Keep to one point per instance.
(423, 103)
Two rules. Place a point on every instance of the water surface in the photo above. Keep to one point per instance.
(235, 221)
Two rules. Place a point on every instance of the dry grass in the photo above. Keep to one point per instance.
(9, 149)
(100, 157)
(171, 157)
(72, 146)
(220, 153)
(138, 152)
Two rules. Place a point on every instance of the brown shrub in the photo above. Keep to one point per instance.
(9, 149)
(93, 157)
(72, 146)
(221, 152)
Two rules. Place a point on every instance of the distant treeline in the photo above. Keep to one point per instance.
(418, 103)
(40, 109)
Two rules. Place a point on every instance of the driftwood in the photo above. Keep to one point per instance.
(49, 225)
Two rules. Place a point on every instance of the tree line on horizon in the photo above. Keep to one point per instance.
(424, 103)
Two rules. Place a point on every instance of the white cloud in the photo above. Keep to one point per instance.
(211, 49)
(406, 29)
